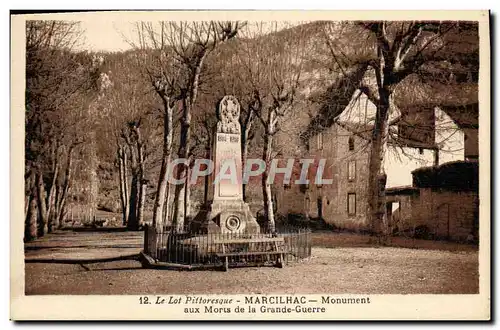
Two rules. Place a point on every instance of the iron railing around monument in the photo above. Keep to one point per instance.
(208, 249)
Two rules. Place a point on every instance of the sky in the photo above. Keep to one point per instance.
(106, 35)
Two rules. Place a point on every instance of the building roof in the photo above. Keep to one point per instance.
(465, 116)
(401, 190)
(364, 131)
(335, 99)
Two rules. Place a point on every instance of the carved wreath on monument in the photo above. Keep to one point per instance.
(233, 223)
(229, 114)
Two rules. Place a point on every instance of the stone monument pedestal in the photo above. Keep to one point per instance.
(226, 212)
(225, 217)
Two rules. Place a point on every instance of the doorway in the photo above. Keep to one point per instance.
(320, 208)
(443, 221)
(393, 211)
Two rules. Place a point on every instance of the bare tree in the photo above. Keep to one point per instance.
(122, 157)
(400, 50)
(181, 50)
(271, 62)
(59, 86)
(130, 114)
(157, 60)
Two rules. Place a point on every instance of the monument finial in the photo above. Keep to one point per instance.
(229, 114)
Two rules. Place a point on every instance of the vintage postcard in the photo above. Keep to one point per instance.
(250, 165)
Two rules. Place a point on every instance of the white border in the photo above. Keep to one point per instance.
(290, 4)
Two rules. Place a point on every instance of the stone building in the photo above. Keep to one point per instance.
(446, 200)
(418, 138)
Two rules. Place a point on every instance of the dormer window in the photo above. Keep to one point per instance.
(351, 143)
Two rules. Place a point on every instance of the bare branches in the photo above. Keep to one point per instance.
(174, 55)
(178, 50)
(413, 45)
(381, 34)
(52, 35)
(408, 40)
(372, 96)
(60, 87)
(271, 69)
(59, 84)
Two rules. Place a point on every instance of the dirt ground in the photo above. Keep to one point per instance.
(340, 263)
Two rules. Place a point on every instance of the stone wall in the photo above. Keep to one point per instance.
(447, 214)
(291, 200)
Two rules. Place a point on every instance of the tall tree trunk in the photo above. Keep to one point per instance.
(28, 191)
(167, 207)
(246, 128)
(123, 184)
(51, 212)
(60, 203)
(93, 180)
(180, 190)
(141, 202)
(142, 181)
(179, 207)
(187, 197)
(132, 223)
(26, 204)
(30, 227)
(266, 186)
(126, 186)
(185, 140)
(208, 155)
(377, 177)
(161, 190)
(206, 183)
(244, 157)
(161, 194)
(42, 206)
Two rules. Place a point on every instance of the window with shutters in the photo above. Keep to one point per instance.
(351, 170)
(320, 141)
(351, 203)
(351, 143)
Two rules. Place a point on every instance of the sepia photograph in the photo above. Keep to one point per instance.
(248, 165)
